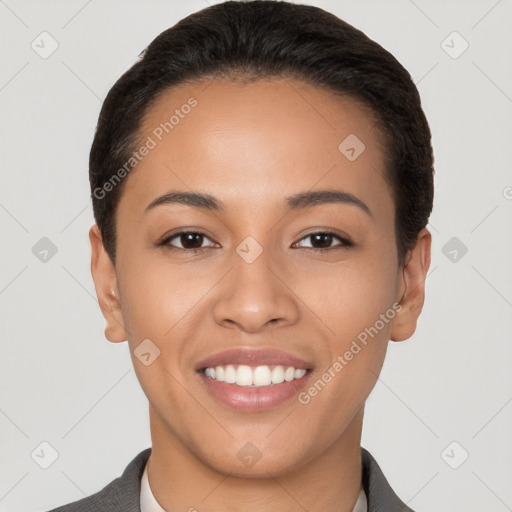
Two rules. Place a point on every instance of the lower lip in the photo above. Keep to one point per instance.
(250, 399)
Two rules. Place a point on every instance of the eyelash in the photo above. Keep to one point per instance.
(344, 242)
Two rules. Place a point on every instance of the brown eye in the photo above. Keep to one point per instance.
(324, 240)
(187, 240)
(321, 240)
(191, 240)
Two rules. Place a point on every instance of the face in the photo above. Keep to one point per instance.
(289, 260)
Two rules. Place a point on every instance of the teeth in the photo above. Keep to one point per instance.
(289, 374)
(277, 375)
(299, 373)
(229, 374)
(244, 375)
(262, 376)
(259, 376)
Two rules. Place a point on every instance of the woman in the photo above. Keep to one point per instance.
(261, 181)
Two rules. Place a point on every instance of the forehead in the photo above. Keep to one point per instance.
(258, 141)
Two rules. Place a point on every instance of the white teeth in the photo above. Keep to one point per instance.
(289, 374)
(219, 373)
(277, 375)
(244, 376)
(259, 376)
(230, 374)
(299, 373)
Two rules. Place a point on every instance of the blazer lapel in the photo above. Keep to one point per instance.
(379, 494)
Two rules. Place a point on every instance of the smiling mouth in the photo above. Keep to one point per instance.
(254, 376)
(254, 380)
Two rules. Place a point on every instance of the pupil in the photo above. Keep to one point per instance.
(323, 239)
(192, 240)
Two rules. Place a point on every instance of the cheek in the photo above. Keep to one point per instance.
(353, 306)
(357, 308)
(155, 297)
(165, 305)
(349, 297)
(159, 304)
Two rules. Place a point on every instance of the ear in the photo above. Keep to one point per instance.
(412, 290)
(107, 291)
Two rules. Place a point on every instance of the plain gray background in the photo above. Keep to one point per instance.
(444, 393)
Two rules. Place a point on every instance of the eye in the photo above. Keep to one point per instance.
(195, 240)
(187, 240)
(323, 240)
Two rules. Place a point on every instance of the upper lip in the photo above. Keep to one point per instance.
(253, 357)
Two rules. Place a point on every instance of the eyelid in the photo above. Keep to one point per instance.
(344, 240)
(167, 238)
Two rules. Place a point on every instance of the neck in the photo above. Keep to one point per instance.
(181, 481)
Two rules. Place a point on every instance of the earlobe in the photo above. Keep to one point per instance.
(414, 274)
(105, 282)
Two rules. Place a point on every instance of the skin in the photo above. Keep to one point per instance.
(251, 145)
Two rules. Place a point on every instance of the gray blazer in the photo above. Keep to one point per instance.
(123, 493)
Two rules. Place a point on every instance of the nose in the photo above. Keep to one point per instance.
(256, 296)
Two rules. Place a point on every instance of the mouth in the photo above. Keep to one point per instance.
(252, 380)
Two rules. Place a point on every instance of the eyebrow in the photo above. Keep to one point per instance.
(308, 199)
(296, 202)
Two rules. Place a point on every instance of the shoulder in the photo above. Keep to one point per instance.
(122, 494)
(379, 494)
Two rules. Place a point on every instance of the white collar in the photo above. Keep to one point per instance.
(148, 502)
